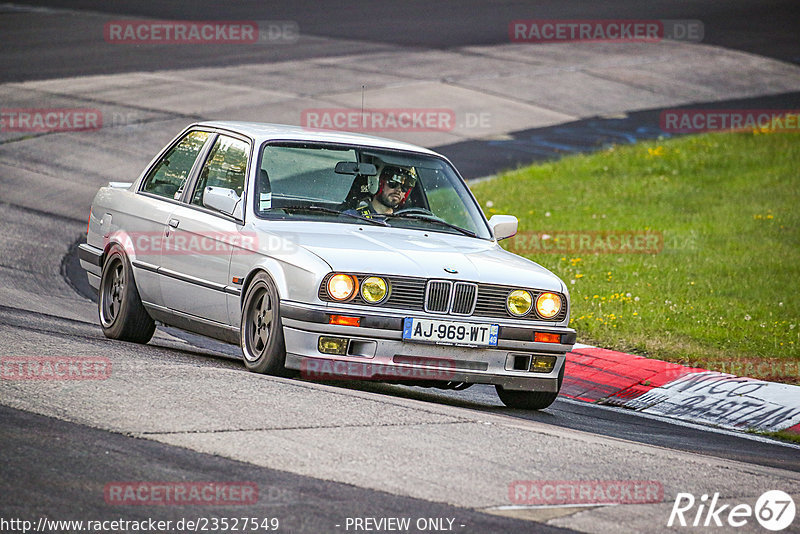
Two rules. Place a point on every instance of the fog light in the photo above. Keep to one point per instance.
(545, 337)
(332, 345)
(542, 364)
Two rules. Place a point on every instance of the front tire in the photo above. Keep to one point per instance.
(122, 315)
(261, 333)
(531, 400)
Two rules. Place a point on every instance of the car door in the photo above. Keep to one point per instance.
(198, 242)
(156, 198)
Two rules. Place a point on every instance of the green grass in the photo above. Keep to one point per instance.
(783, 435)
(722, 293)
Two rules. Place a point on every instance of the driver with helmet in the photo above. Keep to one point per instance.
(394, 188)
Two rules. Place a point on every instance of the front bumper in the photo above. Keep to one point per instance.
(377, 351)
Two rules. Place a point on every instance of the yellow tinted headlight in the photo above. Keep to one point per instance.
(341, 286)
(548, 305)
(374, 289)
(519, 302)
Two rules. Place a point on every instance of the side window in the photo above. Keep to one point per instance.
(169, 174)
(225, 167)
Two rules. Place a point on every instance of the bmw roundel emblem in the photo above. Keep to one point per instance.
(450, 270)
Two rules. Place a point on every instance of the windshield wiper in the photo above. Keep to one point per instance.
(323, 209)
(435, 219)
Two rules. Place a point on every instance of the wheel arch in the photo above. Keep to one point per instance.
(274, 272)
(124, 241)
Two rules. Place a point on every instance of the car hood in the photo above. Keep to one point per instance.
(404, 252)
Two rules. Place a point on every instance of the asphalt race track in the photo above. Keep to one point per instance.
(742, 24)
(183, 408)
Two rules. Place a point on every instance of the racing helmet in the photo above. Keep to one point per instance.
(405, 176)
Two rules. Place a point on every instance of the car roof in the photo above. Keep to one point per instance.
(261, 132)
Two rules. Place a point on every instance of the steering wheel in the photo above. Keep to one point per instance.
(413, 211)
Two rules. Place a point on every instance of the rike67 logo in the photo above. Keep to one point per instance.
(774, 510)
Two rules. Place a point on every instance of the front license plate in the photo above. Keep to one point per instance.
(449, 332)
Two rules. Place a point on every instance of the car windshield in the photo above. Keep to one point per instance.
(300, 181)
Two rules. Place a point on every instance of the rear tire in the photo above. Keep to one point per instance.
(261, 332)
(122, 315)
(531, 400)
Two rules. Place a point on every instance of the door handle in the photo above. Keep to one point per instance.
(174, 223)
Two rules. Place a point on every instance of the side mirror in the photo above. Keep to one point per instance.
(221, 199)
(503, 226)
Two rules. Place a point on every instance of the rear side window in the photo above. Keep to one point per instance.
(167, 177)
(225, 167)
